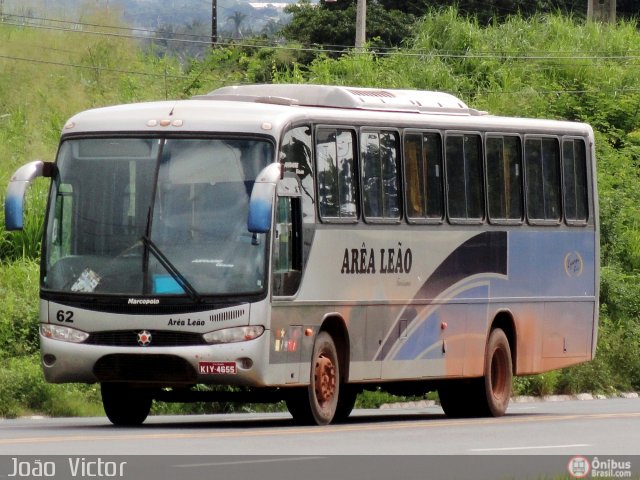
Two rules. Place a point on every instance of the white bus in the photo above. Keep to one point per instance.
(306, 242)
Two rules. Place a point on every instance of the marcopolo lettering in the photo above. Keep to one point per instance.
(144, 301)
(363, 260)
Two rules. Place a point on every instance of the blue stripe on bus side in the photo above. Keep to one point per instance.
(484, 253)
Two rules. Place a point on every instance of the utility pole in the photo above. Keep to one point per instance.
(361, 24)
(214, 23)
(601, 11)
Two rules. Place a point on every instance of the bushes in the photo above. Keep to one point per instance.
(19, 282)
(23, 391)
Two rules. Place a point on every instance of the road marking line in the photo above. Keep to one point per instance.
(534, 447)
(287, 430)
(245, 462)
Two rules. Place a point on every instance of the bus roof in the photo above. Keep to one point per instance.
(358, 98)
(266, 109)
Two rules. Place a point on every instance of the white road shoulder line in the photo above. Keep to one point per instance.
(531, 447)
(246, 462)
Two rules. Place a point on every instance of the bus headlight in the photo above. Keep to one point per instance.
(233, 335)
(64, 334)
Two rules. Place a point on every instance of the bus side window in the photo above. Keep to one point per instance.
(504, 178)
(287, 257)
(575, 180)
(380, 183)
(542, 156)
(465, 192)
(423, 176)
(337, 192)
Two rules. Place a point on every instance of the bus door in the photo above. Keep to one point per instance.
(286, 276)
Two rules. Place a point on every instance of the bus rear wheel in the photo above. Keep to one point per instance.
(487, 396)
(125, 405)
(318, 403)
(498, 374)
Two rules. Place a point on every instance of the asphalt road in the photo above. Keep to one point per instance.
(532, 433)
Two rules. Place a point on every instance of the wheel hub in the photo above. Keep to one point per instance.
(325, 379)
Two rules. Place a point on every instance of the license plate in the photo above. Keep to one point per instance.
(217, 368)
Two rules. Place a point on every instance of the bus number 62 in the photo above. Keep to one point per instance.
(63, 316)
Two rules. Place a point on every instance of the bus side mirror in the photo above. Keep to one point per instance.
(14, 203)
(261, 201)
(261, 208)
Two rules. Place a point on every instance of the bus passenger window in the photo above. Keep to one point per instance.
(504, 178)
(575, 180)
(542, 157)
(423, 177)
(465, 192)
(336, 175)
(380, 170)
(295, 154)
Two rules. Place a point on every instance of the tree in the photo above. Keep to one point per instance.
(237, 18)
(271, 28)
(389, 22)
(333, 24)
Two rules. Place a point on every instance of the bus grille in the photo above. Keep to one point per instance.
(144, 368)
(159, 338)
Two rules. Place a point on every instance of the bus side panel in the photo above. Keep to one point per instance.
(567, 336)
(291, 348)
(556, 270)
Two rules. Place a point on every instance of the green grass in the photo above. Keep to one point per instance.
(23, 391)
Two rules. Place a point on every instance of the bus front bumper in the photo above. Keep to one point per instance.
(241, 363)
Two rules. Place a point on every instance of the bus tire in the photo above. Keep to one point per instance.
(498, 374)
(346, 402)
(324, 388)
(318, 403)
(297, 401)
(487, 396)
(125, 406)
(453, 400)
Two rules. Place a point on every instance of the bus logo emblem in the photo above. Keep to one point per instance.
(144, 338)
(573, 264)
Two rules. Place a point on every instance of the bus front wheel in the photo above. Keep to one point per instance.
(487, 396)
(125, 405)
(318, 403)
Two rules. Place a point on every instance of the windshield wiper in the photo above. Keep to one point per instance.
(170, 267)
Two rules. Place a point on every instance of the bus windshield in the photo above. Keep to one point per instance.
(155, 216)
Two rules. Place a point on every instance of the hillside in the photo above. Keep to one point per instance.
(155, 13)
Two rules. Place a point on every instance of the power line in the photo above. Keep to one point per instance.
(328, 48)
(391, 52)
(92, 67)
